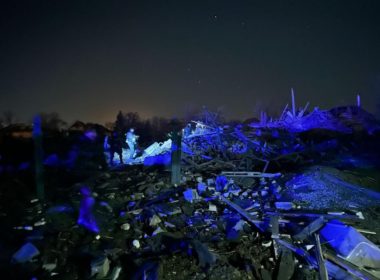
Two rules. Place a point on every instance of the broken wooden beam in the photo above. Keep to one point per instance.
(313, 227)
(250, 174)
(349, 219)
(241, 211)
(323, 274)
(349, 267)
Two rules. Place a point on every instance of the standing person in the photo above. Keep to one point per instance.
(116, 146)
(132, 142)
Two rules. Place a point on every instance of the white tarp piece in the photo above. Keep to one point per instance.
(155, 149)
(353, 246)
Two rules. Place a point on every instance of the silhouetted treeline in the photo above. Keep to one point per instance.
(82, 141)
(86, 140)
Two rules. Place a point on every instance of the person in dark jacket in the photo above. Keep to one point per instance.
(116, 146)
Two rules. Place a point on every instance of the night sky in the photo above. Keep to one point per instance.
(88, 59)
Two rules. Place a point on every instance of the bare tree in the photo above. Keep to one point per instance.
(120, 123)
(52, 121)
(8, 118)
(110, 125)
(132, 119)
(211, 118)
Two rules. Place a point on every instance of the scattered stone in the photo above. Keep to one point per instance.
(25, 254)
(154, 221)
(212, 208)
(125, 226)
(136, 244)
(49, 263)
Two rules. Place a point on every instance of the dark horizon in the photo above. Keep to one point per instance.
(87, 61)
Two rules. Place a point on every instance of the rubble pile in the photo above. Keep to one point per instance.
(238, 148)
(345, 119)
(234, 225)
(274, 144)
(266, 200)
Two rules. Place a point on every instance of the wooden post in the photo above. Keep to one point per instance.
(323, 274)
(293, 103)
(358, 100)
(263, 118)
(176, 137)
(38, 158)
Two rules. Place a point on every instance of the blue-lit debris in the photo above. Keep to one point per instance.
(191, 195)
(249, 220)
(263, 142)
(187, 131)
(243, 221)
(283, 205)
(106, 205)
(313, 227)
(234, 228)
(351, 245)
(52, 160)
(60, 209)
(301, 120)
(201, 187)
(337, 272)
(90, 134)
(86, 217)
(157, 148)
(29, 228)
(21, 167)
(247, 216)
(221, 182)
(233, 190)
(157, 231)
(25, 254)
(163, 159)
